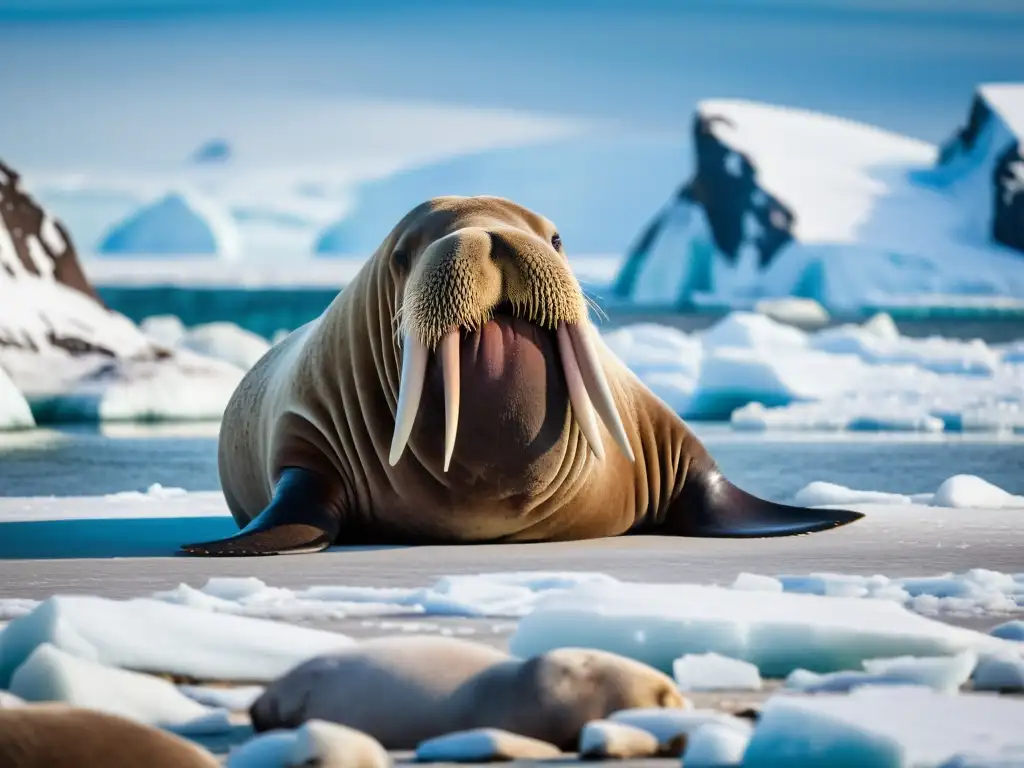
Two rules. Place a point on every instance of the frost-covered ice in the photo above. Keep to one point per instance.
(808, 204)
(150, 635)
(180, 224)
(482, 745)
(761, 374)
(234, 699)
(886, 728)
(227, 342)
(1010, 630)
(712, 672)
(779, 632)
(940, 673)
(14, 410)
(50, 674)
(956, 492)
(716, 746)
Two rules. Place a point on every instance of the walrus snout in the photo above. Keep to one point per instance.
(458, 283)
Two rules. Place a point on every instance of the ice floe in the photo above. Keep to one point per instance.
(233, 698)
(1010, 630)
(668, 725)
(1000, 672)
(712, 672)
(940, 673)
(761, 374)
(150, 635)
(483, 745)
(887, 728)
(716, 746)
(14, 410)
(50, 674)
(956, 492)
(605, 739)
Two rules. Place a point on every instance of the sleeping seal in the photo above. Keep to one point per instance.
(455, 391)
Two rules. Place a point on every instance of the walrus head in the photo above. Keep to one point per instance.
(478, 281)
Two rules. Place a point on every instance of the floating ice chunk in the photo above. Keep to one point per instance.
(153, 492)
(234, 699)
(164, 329)
(484, 745)
(716, 746)
(753, 331)
(8, 700)
(753, 582)
(14, 410)
(712, 672)
(13, 607)
(884, 728)
(795, 311)
(152, 636)
(1000, 672)
(778, 632)
(972, 492)
(1010, 630)
(226, 341)
(606, 739)
(268, 750)
(671, 726)
(50, 674)
(819, 493)
(940, 673)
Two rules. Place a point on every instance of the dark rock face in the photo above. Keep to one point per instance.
(966, 137)
(30, 227)
(740, 213)
(1008, 202)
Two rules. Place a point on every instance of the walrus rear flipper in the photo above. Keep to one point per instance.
(301, 518)
(712, 507)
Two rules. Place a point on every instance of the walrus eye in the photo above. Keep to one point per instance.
(401, 259)
(556, 241)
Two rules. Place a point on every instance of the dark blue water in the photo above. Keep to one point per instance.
(85, 462)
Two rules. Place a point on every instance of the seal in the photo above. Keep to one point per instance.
(403, 690)
(455, 392)
(59, 736)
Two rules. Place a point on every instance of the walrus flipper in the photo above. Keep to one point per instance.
(301, 518)
(712, 507)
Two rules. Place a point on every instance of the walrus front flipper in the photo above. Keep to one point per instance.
(712, 507)
(301, 518)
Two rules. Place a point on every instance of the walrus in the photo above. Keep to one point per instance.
(403, 690)
(59, 736)
(456, 391)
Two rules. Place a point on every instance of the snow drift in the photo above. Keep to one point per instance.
(789, 202)
(71, 357)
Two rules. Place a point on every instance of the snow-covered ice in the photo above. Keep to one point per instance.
(667, 725)
(761, 374)
(1010, 630)
(227, 342)
(163, 329)
(148, 636)
(1000, 672)
(956, 492)
(482, 745)
(232, 698)
(886, 728)
(50, 674)
(9, 700)
(14, 410)
(178, 223)
(716, 746)
(940, 673)
(603, 739)
(712, 672)
(779, 632)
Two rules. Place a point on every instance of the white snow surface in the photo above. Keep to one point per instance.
(779, 632)
(178, 223)
(876, 222)
(761, 374)
(956, 492)
(50, 674)
(716, 746)
(153, 636)
(123, 382)
(14, 410)
(712, 672)
(888, 728)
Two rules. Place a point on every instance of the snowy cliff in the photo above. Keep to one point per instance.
(70, 356)
(785, 202)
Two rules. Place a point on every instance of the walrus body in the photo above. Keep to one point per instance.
(58, 736)
(455, 391)
(404, 690)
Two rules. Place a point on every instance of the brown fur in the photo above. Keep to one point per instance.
(403, 690)
(59, 736)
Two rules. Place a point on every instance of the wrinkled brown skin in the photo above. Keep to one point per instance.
(314, 417)
(59, 736)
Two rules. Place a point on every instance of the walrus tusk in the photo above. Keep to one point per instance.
(414, 369)
(597, 385)
(448, 351)
(582, 408)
